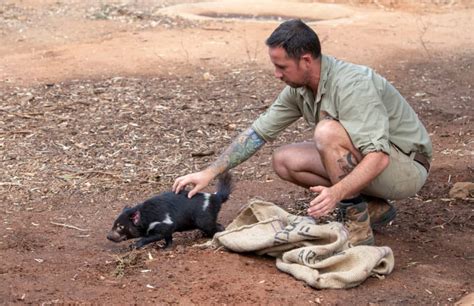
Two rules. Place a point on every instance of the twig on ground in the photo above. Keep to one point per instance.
(215, 29)
(9, 184)
(202, 154)
(247, 109)
(445, 223)
(86, 172)
(69, 226)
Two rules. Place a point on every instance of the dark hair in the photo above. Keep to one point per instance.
(296, 38)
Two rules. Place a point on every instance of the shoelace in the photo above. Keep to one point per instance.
(340, 215)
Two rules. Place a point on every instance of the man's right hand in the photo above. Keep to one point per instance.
(199, 179)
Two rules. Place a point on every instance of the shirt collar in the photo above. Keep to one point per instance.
(326, 64)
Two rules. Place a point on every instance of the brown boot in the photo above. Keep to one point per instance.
(357, 221)
(380, 211)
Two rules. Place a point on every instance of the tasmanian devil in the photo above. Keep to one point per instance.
(160, 216)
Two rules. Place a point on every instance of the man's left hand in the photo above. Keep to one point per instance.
(324, 203)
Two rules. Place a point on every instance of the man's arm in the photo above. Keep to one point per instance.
(241, 149)
(350, 185)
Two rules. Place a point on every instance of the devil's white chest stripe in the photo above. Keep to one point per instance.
(207, 199)
(168, 220)
(152, 225)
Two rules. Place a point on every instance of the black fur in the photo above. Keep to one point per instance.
(174, 212)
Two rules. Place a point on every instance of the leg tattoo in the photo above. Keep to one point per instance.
(347, 163)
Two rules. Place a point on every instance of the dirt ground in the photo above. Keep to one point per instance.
(103, 104)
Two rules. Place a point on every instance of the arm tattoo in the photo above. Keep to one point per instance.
(347, 163)
(242, 148)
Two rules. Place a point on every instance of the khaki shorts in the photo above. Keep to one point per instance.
(403, 177)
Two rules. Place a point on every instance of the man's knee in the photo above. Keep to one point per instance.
(283, 161)
(279, 162)
(329, 134)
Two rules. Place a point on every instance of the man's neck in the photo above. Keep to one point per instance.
(315, 75)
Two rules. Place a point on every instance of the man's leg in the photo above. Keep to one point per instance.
(340, 158)
(325, 162)
(338, 154)
(300, 163)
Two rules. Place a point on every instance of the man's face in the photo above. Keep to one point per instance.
(291, 71)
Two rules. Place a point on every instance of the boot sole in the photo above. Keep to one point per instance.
(388, 216)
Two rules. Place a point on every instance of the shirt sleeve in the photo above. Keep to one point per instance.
(283, 112)
(364, 116)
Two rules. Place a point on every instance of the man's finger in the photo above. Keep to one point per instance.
(317, 200)
(313, 209)
(317, 213)
(319, 208)
(193, 192)
(175, 185)
(317, 189)
(180, 185)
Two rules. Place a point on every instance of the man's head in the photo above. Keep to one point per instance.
(296, 38)
(294, 48)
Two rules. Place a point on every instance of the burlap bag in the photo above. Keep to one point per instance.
(318, 254)
(345, 269)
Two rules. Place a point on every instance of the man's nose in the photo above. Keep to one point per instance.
(278, 74)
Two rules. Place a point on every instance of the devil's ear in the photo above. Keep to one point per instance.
(135, 217)
(126, 207)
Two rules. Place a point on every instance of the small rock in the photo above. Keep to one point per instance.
(208, 77)
(462, 190)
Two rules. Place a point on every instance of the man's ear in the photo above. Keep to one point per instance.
(307, 58)
(135, 217)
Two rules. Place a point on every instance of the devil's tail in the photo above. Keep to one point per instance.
(224, 186)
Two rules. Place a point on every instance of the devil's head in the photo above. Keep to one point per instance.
(126, 226)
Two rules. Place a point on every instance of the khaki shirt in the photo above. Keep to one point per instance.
(371, 110)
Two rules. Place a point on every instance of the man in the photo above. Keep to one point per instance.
(368, 143)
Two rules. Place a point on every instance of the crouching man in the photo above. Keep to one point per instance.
(368, 143)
